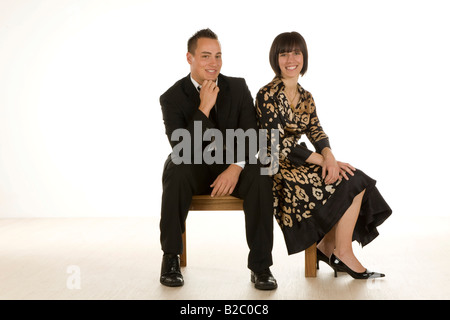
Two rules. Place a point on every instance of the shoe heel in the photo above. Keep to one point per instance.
(317, 264)
(338, 264)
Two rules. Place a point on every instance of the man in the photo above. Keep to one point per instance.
(203, 100)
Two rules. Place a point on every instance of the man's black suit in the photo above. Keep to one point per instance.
(234, 109)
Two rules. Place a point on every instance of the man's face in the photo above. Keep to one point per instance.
(206, 62)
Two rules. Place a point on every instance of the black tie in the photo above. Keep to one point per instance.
(212, 116)
(213, 112)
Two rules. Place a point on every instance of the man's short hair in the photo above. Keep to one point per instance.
(204, 33)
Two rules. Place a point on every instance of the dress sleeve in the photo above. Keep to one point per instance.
(314, 130)
(269, 119)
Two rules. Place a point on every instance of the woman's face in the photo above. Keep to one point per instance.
(291, 64)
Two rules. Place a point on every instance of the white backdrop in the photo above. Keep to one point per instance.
(81, 132)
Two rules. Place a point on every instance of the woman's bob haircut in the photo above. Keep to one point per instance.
(288, 42)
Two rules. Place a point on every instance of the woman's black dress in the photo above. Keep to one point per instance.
(304, 206)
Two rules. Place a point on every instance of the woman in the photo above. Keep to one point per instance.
(317, 199)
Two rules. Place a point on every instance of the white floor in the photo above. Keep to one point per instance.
(120, 258)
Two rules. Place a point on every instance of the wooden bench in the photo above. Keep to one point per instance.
(207, 203)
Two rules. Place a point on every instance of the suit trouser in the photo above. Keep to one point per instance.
(181, 182)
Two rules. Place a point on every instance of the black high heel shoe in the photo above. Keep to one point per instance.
(322, 257)
(338, 265)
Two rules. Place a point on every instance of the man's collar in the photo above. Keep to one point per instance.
(196, 84)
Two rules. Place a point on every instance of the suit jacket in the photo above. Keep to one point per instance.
(234, 105)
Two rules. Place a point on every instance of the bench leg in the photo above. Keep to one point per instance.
(183, 256)
(311, 261)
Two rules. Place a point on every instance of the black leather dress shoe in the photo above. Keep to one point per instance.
(264, 280)
(170, 271)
